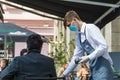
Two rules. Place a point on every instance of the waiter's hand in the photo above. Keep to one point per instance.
(84, 59)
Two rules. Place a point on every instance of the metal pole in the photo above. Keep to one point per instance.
(105, 14)
(5, 44)
(94, 3)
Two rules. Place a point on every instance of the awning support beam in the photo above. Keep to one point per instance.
(28, 10)
(94, 3)
(105, 14)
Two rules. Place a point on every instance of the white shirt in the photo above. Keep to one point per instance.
(97, 41)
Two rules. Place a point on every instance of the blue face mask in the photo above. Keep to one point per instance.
(73, 28)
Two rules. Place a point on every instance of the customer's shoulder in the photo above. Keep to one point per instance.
(18, 57)
(47, 57)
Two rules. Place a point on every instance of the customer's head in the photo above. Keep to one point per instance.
(3, 63)
(65, 65)
(34, 41)
(23, 52)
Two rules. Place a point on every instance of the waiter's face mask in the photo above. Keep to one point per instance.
(72, 27)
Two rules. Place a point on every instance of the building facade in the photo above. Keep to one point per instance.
(38, 24)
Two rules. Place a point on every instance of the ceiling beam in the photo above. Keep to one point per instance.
(29, 10)
(94, 3)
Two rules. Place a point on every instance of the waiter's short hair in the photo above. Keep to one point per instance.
(69, 16)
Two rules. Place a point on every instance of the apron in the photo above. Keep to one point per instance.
(100, 68)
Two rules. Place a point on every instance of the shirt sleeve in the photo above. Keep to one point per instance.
(77, 53)
(10, 70)
(99, 42)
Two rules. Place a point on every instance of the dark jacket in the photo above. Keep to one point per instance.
(33, 64)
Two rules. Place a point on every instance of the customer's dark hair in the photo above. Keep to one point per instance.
(23, 51)
(34, 41)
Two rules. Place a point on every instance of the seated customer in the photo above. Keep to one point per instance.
(23, 52)
(33, 64)
(83, 73)
(62, 69)
(3, 63)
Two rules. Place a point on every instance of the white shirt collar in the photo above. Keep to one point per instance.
(83, 27)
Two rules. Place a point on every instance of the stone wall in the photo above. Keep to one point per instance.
(112, 35)
(116, 35)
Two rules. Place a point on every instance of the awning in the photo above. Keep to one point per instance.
(14, 32)
(99, 12)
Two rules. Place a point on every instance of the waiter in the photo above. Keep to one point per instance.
(90, 40)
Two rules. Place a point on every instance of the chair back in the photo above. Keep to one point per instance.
(45, 78)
